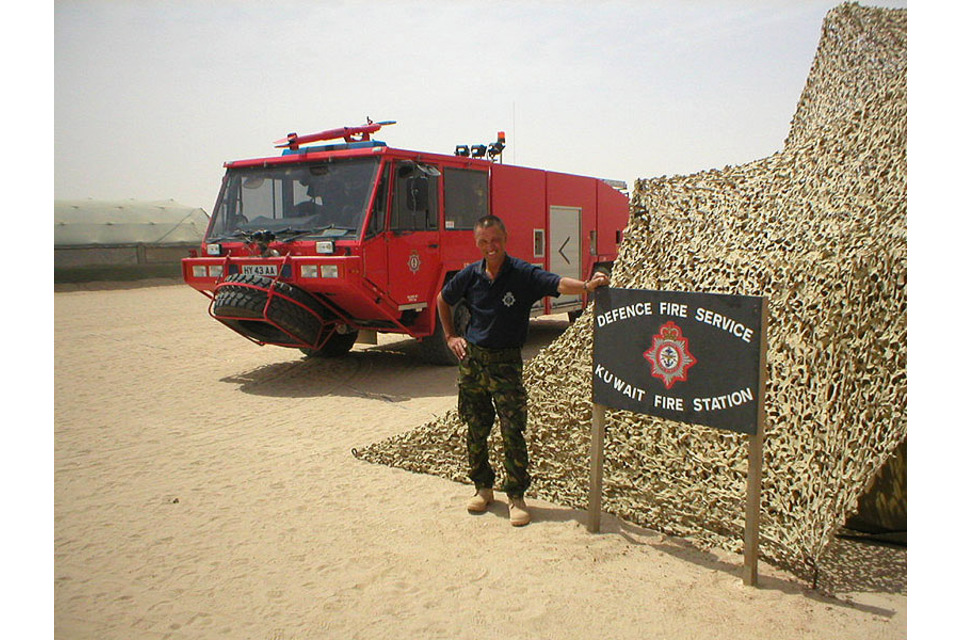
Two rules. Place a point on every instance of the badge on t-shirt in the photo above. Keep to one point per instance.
(508, 299)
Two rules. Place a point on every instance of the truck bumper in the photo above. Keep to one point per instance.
(337, 282)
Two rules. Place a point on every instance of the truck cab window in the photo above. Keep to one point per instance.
(323, 199)
(378, 213)
(465, 196)
(415, 200)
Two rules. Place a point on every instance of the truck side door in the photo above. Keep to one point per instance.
(413, 240)
(565, 258)
(376, 269)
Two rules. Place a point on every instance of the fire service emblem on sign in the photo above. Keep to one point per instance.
(669, 355)
(414, 261)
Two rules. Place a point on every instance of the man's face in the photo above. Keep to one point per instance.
(492, 242)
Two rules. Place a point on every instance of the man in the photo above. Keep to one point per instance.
(499, 290)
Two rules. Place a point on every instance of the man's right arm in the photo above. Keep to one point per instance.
(454, 342)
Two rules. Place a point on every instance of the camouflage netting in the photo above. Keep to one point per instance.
(820, 229)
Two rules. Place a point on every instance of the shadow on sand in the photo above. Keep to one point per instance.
(392, 372)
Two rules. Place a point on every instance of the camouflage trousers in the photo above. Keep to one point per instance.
(491, 384)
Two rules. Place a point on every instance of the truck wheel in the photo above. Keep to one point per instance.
(434, 349)
(338, 345)
(241, 307)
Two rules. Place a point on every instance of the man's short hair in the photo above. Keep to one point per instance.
(490, 221)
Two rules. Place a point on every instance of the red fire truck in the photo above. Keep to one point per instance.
(324, 245)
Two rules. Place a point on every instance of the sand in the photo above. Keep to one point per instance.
(205, 488)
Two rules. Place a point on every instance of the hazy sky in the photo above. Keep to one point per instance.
(151, 98)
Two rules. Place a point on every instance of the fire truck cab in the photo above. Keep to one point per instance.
(322, 245)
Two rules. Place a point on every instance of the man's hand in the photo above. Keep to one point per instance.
(599, 279)
(572, 286)
(458, 345)
(454, 342)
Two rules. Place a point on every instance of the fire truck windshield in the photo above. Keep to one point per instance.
(326, 199)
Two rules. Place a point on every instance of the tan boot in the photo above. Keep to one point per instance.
(519, 515)
(479, 502)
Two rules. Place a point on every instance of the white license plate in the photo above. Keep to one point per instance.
(260, 270)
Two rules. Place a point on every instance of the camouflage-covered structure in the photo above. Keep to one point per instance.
(821, 230)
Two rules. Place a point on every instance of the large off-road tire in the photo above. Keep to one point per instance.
(434, 349)
(339, 344)
(241, 308)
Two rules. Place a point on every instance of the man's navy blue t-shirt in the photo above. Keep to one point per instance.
(500, 309)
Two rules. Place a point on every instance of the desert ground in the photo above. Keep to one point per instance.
(205, 488)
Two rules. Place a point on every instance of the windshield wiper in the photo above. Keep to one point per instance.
(288, 234)
(321, 231)
(228, 236)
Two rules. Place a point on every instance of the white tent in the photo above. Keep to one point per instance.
(123, 239)
(116, 222)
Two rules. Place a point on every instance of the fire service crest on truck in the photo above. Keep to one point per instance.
(414, 262)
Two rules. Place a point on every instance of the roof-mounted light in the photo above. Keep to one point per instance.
(491, 151)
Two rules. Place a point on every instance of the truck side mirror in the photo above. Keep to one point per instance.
(417, 189)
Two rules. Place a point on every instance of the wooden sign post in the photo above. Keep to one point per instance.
(751, 533)
(691, 357)
(596, 467)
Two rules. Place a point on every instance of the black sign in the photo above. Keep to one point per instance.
(690, 357)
